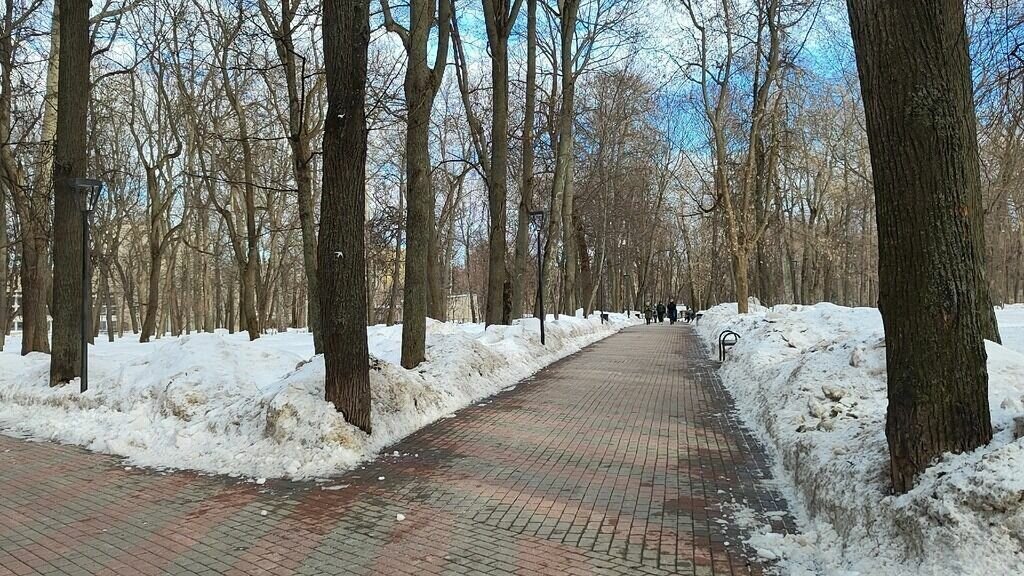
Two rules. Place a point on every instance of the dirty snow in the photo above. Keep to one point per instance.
(218, 403)
(810, 382)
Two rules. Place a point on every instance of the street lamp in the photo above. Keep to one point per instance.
(537, 219)
(86, 193)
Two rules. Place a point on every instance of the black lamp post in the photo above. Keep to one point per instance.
(86, 193)
(537, 219)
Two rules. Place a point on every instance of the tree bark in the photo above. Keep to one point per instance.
(421, 84)
(341, 257)
(69, 161)
(563, 149)
(526, 185)
(499, 16)
(915, 78)
(4, 245)
(396, 266)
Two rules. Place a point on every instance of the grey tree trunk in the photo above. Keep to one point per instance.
(526, 184)
(4, 246)
(421, 84)
(69, 161)
(915, 77)
(342, 260)
(396, 268)
(499, 17)
(563, 150)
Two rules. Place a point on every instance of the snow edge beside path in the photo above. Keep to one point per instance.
(217, 403)
(809, 381)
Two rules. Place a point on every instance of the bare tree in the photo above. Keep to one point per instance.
(342, 269)
(527, 177)
(421, 84)
(299, 138)
(69, 161)
(31, 204)
(916, 82)
(499, 17)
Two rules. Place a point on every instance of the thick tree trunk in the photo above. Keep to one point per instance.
(342, 264)
(741, 278)
(230, 310)
(128, 286)
(916, 83)
(156, 249)
(70, 161)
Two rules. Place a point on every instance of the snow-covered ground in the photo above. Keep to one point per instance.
(810, 382)
(219, 403)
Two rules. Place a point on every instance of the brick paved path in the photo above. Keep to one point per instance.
(614, 461)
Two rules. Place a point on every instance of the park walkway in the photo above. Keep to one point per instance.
(617, 460)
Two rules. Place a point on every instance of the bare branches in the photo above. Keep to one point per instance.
(392, 26)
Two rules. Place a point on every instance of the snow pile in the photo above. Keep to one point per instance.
(811, 382)
(219, 403)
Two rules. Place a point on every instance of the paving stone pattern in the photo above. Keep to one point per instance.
(617, 460)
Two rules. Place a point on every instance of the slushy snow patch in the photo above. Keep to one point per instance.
(219, 403)
(810, 381)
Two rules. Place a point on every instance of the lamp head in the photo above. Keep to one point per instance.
(86, 192)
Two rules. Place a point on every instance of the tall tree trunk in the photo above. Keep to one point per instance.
(526, 185)
(396, 267)
(419, 205)
(499, 24)
(4, 245)
(302, 155)
(32, 208)
(69, 161)
(421, 84)
(230, 310)
(156, 249)
(915, 78)
(436, 305)
(569, 252)
(342, 261)
(108, 304)
(563, 150)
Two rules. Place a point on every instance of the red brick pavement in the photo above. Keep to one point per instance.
(617, 460)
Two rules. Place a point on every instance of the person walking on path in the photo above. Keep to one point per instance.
(673, 312)
(649, 313)
(661, 312)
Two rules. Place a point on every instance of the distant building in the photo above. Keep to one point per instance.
(17, 322)
(461, 307)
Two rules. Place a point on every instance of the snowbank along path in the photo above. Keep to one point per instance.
(811, 382)
(221, 404)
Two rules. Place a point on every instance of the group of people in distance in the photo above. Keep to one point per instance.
(658, 312)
